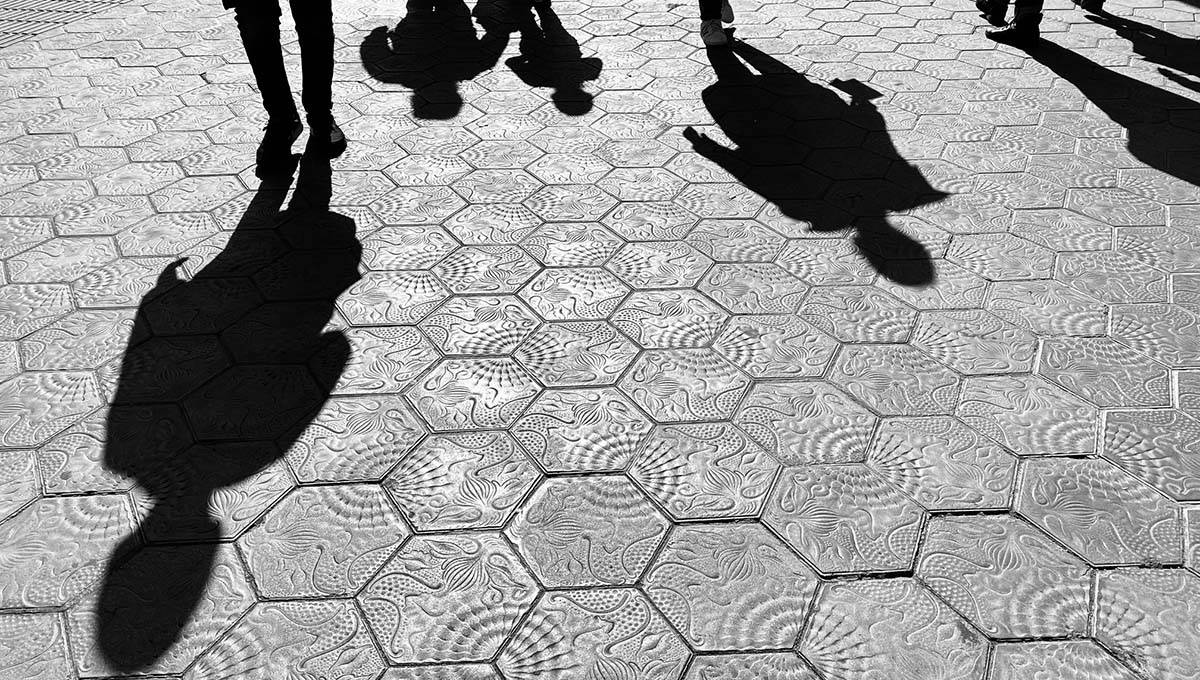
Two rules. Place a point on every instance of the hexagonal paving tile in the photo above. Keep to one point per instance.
(685, 384)
(583, 631)
(781, 665)
(1069, 660)
(486, 269)
(1100, 512)
(659, 264)
(858, 314)
(587, 531)
(1105, 372)
(382, 360)
(473, 394)
(461, 481)
(1169, 334)
(731, 587)
(669, 319)
(975, 342)
(1161, 447)
(1111, 277)
(59, 548)
(1147, 616)
(775, 346)
(584, 430)
(447, 598)
(942, 464)
(406, 247)
(896, 380)
(1007, 578)
(571, 244)
(480, 325)
(492, 224)
(1047, 308)
(577, 293)
(867, 627)
(754, 288)
(1001, 257)
(298, 638)
(735, 240)
(354, 439)
(1028, 415)
(818, 509)
(35, 646)
(387, 297)
(34, 416)
(576, 354)
(322, 541)
(803, 423)
(710, 471)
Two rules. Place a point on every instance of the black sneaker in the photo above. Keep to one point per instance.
(1021, 33)
(327, 136)
(275, 149)
(992, 10)
(1093, 6)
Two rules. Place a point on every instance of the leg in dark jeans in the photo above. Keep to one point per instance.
(314, 27)
(258, 22)
(710, 10)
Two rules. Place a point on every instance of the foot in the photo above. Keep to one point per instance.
(726, 12)
(992, 11)
(1093, 6)
(327, 136)
(275, 149)
(1020, 34)
(712, 34)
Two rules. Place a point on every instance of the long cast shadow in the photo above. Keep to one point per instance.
(801, 146)
(1163, 127)
(1179, 57)
(432, 50)
(550, 57)
(231, 352)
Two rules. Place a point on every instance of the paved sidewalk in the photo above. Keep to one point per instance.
(867, 349)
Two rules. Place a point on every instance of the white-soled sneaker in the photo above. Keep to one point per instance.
(712, 34)
(726, 12)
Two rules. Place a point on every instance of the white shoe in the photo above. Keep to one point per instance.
(712, 34)
(726, 12)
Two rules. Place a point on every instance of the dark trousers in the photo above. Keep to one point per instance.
(1026, 9)
(710, 9)
(258, 22)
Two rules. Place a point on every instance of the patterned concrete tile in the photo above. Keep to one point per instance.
(584, 631)
(1144, 615)
(461, 481)
(1105, 372)
(669, 319)
(1069, 660)
(582, 430)
(447, 599)
(685, 384)
(896, 379)
(864, 628)
(35, 646)
(473, 394)
(576, 354)
(1004, 576)
(731, 587)
(804, 423)
(588, 531)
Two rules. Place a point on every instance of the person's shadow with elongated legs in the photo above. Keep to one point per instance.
(551, 58)
(785, 130)
(231, 353)
(430, 51)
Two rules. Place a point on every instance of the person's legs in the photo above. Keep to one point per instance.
(258, 23)
(711, 31)
(314, 27)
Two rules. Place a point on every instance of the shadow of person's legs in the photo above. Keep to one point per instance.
(229, 351)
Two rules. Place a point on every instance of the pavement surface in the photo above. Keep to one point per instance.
(866, 349)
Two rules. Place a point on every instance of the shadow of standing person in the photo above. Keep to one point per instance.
(432, 50)
(1179, 57)
(801, 147)
(230, 352)
(1163, 127)
(551, 58)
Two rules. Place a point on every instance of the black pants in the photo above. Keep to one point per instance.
(258, 22)
(710, 9)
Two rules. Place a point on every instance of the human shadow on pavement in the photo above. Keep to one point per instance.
(433, 49)
(550, 58)
(801, 146)
(235, 362)
(1179, 57)
(1163, 127)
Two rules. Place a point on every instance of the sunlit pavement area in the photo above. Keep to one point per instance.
(889, 367)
